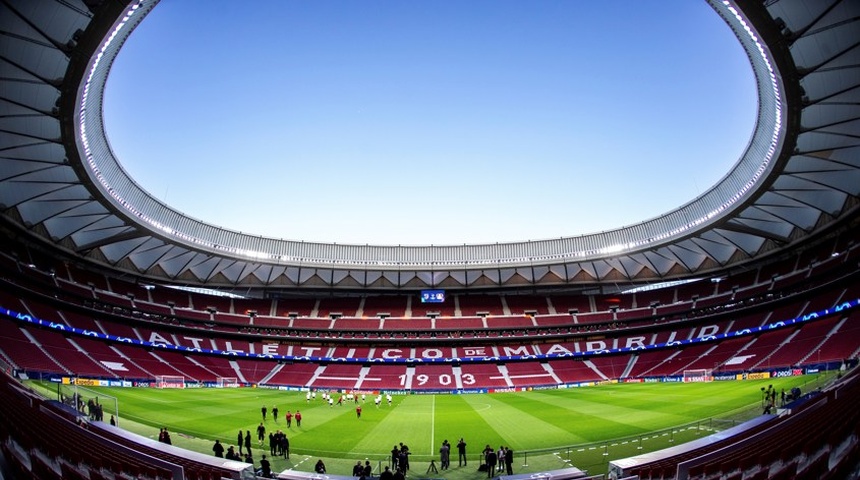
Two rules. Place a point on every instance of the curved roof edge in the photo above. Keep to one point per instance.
(811, 187)
(138, 205)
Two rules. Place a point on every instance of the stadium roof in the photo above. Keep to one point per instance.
(61, 183)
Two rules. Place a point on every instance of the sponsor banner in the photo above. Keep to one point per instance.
(786, 373)
(66, 381)
(88, 382)
(633, 380)
(812, 370)
(724, 377)
(652, 380)
(115, 383)
(758, 376)
(142, 384)
(126, 383)
(578, 385)
(673, 379)
(544, 387)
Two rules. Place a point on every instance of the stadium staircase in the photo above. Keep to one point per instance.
(42, 349)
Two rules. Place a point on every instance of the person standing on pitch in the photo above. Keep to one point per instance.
(263, 411)
(261, 433)
(240, 440)
(509, 460)
(492, 458)
(461, 449)
(218, 449)
(445, 455)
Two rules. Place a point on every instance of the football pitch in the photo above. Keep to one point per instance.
(547, 429)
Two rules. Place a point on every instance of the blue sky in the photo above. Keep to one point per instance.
(417, 123)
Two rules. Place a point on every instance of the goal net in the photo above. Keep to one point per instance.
(698, 375)
(227, 382)
(97, 406)
(170, 381)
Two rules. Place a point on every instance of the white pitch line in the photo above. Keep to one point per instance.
(432, 423)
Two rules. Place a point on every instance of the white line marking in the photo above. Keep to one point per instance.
(432, 424)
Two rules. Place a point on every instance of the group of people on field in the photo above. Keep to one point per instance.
(288, 417)
(498, 461)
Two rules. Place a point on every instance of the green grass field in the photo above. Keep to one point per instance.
(547, 428)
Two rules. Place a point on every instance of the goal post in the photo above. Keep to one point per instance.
(97, 406)
(227, 382)
(698, 375)
(170, 381)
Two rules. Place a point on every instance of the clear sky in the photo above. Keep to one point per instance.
(417, 123)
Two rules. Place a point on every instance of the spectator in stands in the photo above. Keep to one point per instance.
(113, 420)
(248, 442)
(319, 467)
(166, 437)
(298, 418)
(509, 461)
(240, 440)
(218, 449)
(275, 412)
(265, 468)
(461, 449)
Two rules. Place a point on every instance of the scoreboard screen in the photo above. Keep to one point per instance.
(432, 296)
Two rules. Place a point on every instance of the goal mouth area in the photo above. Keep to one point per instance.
(170, 381)
(227, 382)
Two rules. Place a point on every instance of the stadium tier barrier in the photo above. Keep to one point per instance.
(814, 437)
(570, 473)
(47, 440)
